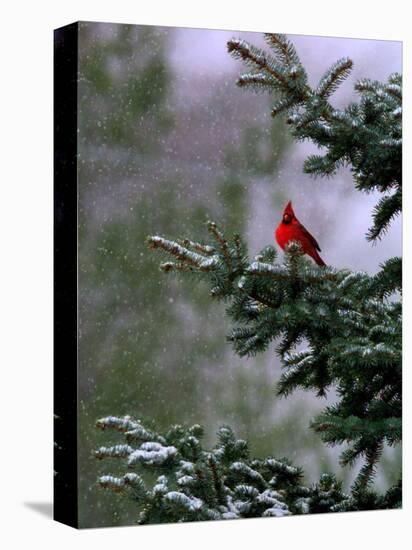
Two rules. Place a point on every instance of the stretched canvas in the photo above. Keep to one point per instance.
(228, 275)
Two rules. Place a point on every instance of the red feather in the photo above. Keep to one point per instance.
(290, 229)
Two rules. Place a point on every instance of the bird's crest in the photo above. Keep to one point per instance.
(289, 210)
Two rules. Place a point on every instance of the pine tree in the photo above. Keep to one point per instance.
(349, 322)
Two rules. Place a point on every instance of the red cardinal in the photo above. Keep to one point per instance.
(290, 229)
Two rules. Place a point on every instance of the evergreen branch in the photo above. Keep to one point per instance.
(284, 104)
(321, 166)
(367, 471)
(387, 208)
(388, 279)
(199, 247)
(124, 424)
(129, 482)
(284, 49)
(257, 58)
(395, 90)
(183, 254)
(226, 483)
(334, 77)
(117, 451)
(395, 78)
(177, 267)
(351, 332)
(259, 82)
(265, 269)
(367, 85)
(219, 237)
(336, 429)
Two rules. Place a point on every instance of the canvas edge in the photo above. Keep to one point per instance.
(65, 509)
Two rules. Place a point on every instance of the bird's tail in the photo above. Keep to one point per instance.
(318, 259)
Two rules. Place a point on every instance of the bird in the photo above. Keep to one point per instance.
(290, 229)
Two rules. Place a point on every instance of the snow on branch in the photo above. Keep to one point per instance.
(183, 254)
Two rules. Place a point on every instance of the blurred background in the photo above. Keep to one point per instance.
(166, 141)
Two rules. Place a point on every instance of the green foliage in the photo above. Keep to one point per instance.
(352, 334)
(193, 484)
(367, 136)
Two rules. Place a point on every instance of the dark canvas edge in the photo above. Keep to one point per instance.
(65, 275)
